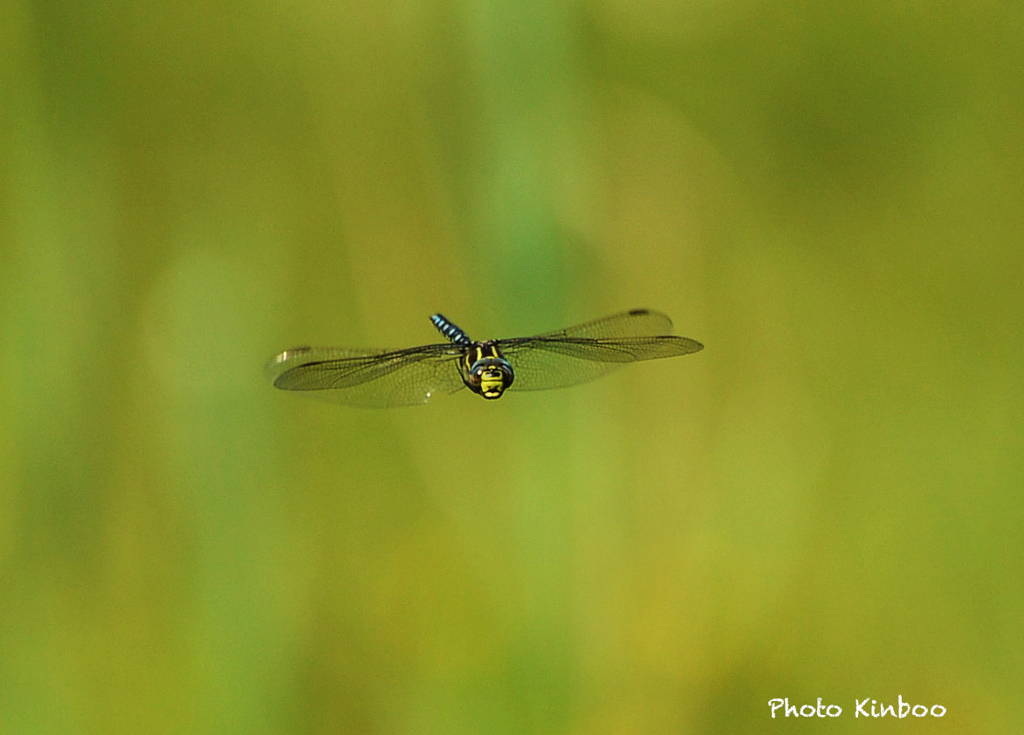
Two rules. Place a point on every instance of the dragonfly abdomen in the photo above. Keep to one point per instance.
(449, 330)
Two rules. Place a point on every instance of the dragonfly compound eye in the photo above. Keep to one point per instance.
(490, 377)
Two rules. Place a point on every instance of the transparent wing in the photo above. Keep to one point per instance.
(588, 351)
(634, 323)
(543, 364)
(368, 378)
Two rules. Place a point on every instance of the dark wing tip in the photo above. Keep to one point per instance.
(651, 312)
(283, 362)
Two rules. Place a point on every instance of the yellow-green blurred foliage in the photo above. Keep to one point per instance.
(826, 502)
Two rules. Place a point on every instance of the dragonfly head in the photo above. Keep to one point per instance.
(490, 377)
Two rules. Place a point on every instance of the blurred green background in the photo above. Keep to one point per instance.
(826, 502)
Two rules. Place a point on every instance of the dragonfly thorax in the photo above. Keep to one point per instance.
(485, 371)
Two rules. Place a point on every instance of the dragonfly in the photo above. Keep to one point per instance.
(385, 378)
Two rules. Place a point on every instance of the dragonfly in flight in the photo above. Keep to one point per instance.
(385, 378)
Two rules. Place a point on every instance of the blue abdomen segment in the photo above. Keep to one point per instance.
(449, 330)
